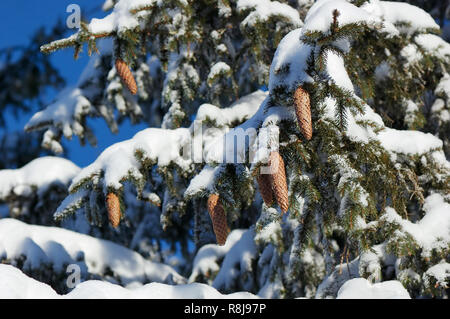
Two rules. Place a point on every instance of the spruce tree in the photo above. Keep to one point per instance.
(321, 128)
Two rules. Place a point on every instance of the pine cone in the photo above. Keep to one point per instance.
(125, 74)
(278, 181)
(213, 199)
(113, 207)
(265, 188)
(219, 219)
(303, 111)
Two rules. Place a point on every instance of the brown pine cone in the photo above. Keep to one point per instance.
(213, 199)
(219, 219)
(265, 188)
(125, 74)
(278, 180)
(113, 207)
(303, 111)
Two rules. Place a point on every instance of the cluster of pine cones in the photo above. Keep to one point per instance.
(270, 185)
(273, 185)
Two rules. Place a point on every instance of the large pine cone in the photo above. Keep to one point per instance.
(125, 74)
(113, 207)
(265, 188)
(303, 111)
(219, 219)
(278, 180)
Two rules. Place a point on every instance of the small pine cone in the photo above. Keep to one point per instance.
(303, 111)
(113, 207)
(278, 179)
(125, 74)
(265, 188)
(219, 219)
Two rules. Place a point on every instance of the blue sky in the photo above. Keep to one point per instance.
(23, 18)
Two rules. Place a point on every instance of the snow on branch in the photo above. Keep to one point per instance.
(39, 174)
(241, 257)
(98, 93)
(124, 17)
(127, 16)
(239, 111)
(360, 288)
(431, 233)
(319, 16)
(434, 44)
(130, 160)
(60, 247)
(18, 285)
(206, 264)
(402, 17)
(263, 10)
(156, 146)
(65, 115)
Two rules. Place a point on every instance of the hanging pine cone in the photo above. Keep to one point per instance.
(125, 74)
(278, 180)
(219, 219)
(265, 188)
(303, 111)
(113, 207)
(213, 200)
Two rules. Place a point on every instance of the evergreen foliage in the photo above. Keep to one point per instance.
(359, 192)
